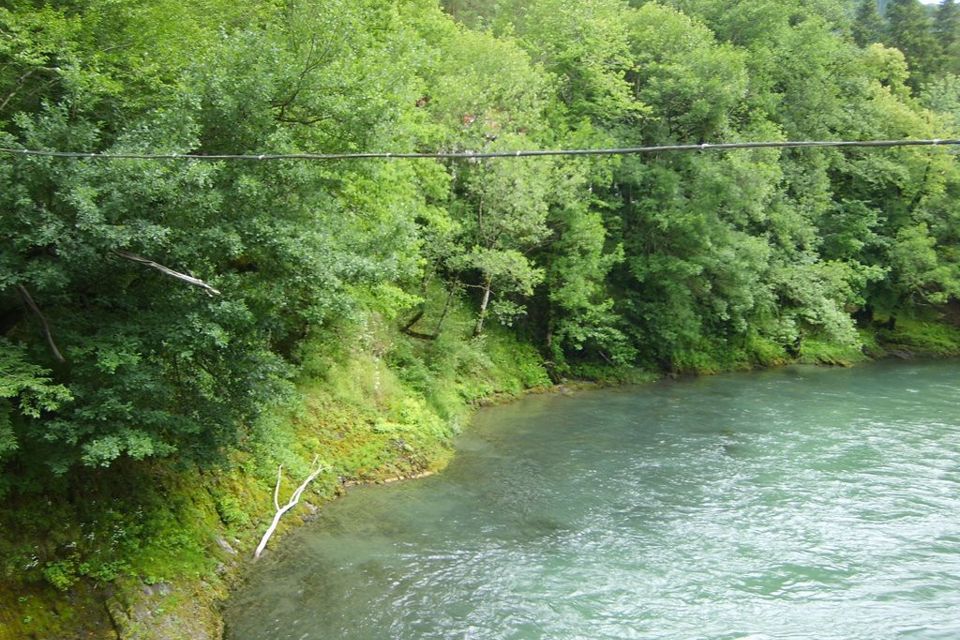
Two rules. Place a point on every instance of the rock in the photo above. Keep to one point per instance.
(164, 611)
(223, 544)
(901, 354)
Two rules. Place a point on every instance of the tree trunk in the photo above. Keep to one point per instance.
(446, 306)
(477, 330)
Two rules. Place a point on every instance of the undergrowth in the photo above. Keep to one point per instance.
(922, 336)
(373, 404)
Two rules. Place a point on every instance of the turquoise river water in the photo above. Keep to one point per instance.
(795, 503)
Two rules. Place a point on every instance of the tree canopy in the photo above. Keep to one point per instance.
(684, 262)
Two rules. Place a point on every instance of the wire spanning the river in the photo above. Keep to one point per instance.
(480, 155)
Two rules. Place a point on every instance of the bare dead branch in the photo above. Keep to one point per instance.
(294, 499)
(415, 319)
(28, 300)
(168, 271)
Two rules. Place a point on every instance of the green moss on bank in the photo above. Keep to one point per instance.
(148, 556)
(820, 351)
(923, 337)
(716, 355)
(131, 554)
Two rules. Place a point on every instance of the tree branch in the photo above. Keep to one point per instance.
(168, 271)
(284, 118)
(16, 89)
(446, 305)
(28, 300)
(418, 335)
(415, 319)
(409, 330)
(294, 499)
(21, 81)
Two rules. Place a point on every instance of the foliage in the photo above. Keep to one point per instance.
(363, 306)
(868, 26)
(638, 260)
(946, 28)
(910, 30)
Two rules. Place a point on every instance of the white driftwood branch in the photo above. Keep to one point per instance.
(168, 271)
(294, 499)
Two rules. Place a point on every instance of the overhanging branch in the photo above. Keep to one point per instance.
(28, 300)
(167, 271)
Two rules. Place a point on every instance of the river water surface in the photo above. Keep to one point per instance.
(796, 503)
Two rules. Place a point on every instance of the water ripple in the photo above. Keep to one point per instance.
(801, 503)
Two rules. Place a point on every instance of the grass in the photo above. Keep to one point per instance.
(925, 337)
(815, 350)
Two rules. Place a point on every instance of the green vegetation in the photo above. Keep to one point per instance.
(922, 337)
(926, 35)
(372, 403)
(356, 310)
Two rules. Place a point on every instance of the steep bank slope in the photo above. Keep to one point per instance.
(374, 404)
(150, 557)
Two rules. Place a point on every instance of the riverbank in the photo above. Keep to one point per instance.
(661, 510)
(164, 552)
(150, 557)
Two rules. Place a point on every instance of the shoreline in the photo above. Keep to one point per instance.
(191, 607)
(572, 388)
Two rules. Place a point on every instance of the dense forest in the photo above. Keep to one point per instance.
(156, 317)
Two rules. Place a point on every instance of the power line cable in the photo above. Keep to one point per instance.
(479, 155)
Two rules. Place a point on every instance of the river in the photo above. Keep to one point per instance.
(794, 503)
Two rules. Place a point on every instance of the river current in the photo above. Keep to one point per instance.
(795, 503)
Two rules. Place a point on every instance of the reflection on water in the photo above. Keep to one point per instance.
(799, 503)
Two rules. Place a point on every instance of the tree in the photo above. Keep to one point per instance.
(578, 317)
(943, 97)
(584, 44)
(910, 29)
(868, 26)
(503, 215)
(111, 358)
(946, 27)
